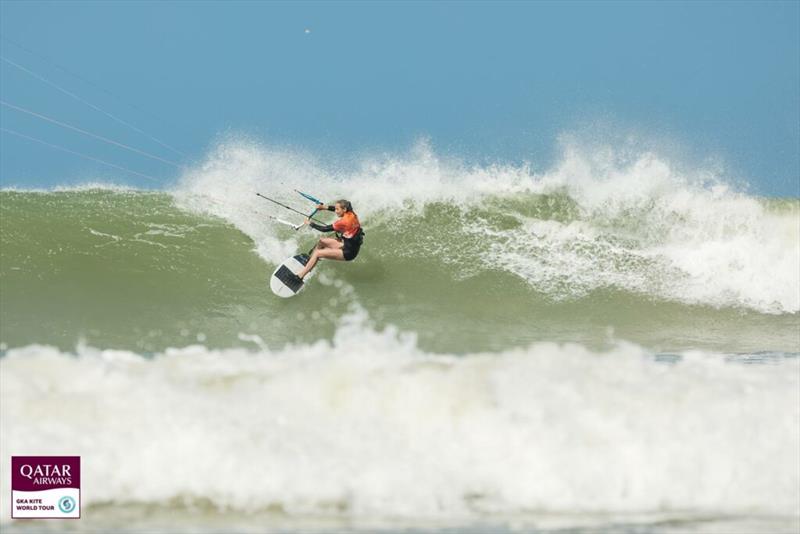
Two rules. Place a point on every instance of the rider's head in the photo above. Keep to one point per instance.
(342, 206)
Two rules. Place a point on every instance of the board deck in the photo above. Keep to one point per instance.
(282, 283)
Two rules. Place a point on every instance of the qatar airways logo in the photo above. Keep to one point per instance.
(47, 474)
(46, 487)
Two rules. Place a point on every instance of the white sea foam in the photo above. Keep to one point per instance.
(99, 186)
(648, 228)
(369, 426)
(83, 186)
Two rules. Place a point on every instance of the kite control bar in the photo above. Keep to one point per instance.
(287, 207)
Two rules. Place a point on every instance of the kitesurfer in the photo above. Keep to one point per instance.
(348, 240)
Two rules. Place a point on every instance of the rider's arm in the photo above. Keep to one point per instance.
(321, 228)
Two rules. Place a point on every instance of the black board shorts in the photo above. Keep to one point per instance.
(350, 247)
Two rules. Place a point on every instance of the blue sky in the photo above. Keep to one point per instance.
(487, 82)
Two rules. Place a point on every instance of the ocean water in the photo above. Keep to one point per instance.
(608, 345)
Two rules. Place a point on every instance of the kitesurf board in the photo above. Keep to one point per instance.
(282, 283)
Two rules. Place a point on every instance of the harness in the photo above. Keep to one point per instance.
(357, 239)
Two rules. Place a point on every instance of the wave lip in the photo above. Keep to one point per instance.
(371, 426)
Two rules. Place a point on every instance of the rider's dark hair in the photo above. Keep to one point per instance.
(345, 204)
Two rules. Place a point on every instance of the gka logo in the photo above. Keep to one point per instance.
(66, 504)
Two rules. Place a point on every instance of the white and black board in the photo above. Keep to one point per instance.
(282, 283)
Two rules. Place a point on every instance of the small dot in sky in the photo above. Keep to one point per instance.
(308, 31)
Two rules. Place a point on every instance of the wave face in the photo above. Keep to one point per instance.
(468, 258)
(369, 425)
